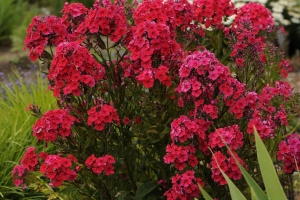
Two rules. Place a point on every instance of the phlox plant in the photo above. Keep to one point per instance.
(150, 94)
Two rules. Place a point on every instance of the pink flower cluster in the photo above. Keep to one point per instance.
(288, 153)
(100, 115)
(227, 165)
(28, 163)
(184, 186)
(105, 20)
(101, 164)
(58, 169)
(73, 68)
(52, 124)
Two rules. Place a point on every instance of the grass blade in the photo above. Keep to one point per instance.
(269, 175)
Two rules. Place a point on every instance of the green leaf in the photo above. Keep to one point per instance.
(235, 193)
(144, 189)
(256, 191)
(269, 175)
(204, 193)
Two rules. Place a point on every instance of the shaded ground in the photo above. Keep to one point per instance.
(10, 60)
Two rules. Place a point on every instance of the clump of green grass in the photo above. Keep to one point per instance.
(16, 123)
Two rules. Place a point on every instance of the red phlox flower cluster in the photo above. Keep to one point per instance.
(266, 118)
(101, 164)
(201, 75)
(228, 166)
(72, 69)
(73, 15)
(19, 173)
(153, 11)
(171, 13)
(183, 128)
(251, 19)
(285, 67)
(211, 13)
(28, 163)
(58, 169)
(105, 20)
(230, 135)
(256, 14)
(100, 115)
(180, 156)
(243, 104)
(184, 187)
(52, 124)
(45, 31)
(288, 153)
(152, 41)
(183, 14)
(30, 159)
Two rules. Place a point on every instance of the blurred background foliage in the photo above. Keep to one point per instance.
(16, 15)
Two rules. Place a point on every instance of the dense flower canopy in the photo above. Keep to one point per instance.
(151, 94)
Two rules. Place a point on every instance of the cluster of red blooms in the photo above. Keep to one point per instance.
(101, 164)
(54, 167)
(258, 15)
(228, 166)
(73, 15)
(201, 75)
(52, 124)
(285, 67)
(288, 153)
(250, 20)
(28, 163)
(151, 41)
(184, 186)
(211, 13)
(72, 68)
(58, 169)
(105, 19)
(180, 155)
(172, 13)
(100, 115)
(155, 54)
(183, 128)
(266, 117)
(231, 136)
(45, 31)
